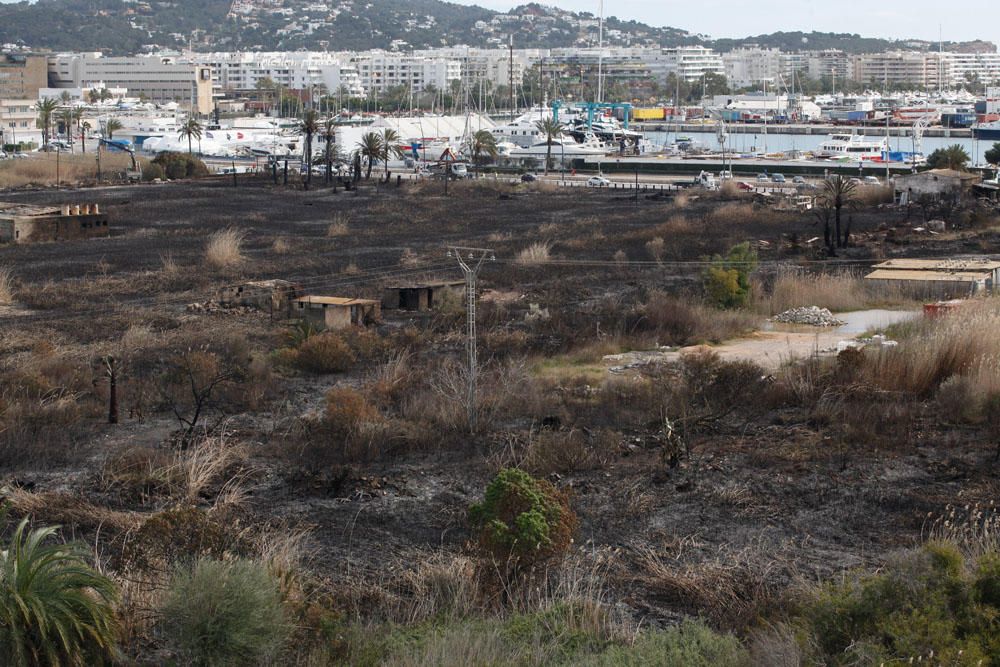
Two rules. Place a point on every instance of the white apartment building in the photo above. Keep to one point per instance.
(296, 70)
(19, 122)
(830, 64)
(159, 78)
(749, 67)
(490, 65)
(381, 71)
(688, 62)
(983, 66)
(920, 69)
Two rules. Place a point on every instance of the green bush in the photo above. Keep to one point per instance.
(727, 279)
(55, 609)
(922, 601)
(691, 644)
(152, 171)
(180, 165)
(224, 613)
(523, 519)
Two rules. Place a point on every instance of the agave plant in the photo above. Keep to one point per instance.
(55, 609)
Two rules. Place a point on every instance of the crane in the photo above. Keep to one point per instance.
(133, 174)
(919, 126)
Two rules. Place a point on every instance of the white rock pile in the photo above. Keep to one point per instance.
(811, 315)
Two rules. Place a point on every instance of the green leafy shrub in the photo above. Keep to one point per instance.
(180, 165)
(691, 644)
(152, 171)
(727, 279)
(922, 601)
(324, 353)
(55, 609)
(224, 613)
(523, 519)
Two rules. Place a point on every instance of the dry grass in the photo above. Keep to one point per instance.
(40, 169)
(839, 292)
(6, 285)
(352, 269)
(535, 254)
(338, 227)
(931, 351)
(55, 507)
(281, 246)
(168, 265)
(224, 249)
(655, 248)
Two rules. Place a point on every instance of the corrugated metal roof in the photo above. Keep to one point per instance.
(336, 300)
(974, 264)
(930, 276)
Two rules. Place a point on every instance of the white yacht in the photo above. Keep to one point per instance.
(522, 130)
(852, 147)
(562, 147)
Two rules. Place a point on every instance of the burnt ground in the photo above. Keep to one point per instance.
(772, 495)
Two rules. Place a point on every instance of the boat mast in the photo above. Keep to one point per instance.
(600, 53)
(510, 74)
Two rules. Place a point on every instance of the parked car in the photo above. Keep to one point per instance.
(778, 178)
(598, 182)
(872, 180)
(743, 185)
(763, 178)
(799, 180)
(528, 178)
(726, 175)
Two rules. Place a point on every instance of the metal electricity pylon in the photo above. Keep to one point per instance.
(470, 260)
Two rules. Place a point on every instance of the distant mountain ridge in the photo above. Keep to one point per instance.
(131, 26)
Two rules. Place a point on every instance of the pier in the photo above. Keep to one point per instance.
(872, 130)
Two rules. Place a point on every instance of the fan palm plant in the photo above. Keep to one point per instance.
(390, 148)
(838, 192)
(310, 127)
(55, 609)
(551, 129)
(482, 143)
(329, 137)
(45, 109)
(110, 127)
(192, 130)
(370, 149)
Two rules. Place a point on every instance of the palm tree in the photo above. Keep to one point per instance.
(110, 127)
(482, 143)
(77, 114)
(66, 118)
(309, 127)
(390, 148)
(329, 137)
(952, 157)
(84, 128)
(192, 130)
(838, 191)
(55, 609)
(551, 128)
(45, 109)
(370, 148)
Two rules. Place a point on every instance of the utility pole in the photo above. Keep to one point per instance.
(470, 260)
(510, 74)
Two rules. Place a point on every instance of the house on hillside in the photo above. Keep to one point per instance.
(938, 278)
(335, 312)
(22, 223)
(934, 183)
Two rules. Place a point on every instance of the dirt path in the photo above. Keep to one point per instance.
(771, 349)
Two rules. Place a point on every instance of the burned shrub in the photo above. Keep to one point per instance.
(324, 353)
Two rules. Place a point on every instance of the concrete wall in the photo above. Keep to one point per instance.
(33, 229)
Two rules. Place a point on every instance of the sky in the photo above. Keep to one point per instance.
(974, 19)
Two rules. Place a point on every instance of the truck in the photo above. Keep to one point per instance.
(453, 170)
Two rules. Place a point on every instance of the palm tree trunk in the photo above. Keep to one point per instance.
(309, 160)
(190, 153)
(837, 215)
(328, 177)
(548, 155)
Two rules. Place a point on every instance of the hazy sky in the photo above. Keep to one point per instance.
(972, 19)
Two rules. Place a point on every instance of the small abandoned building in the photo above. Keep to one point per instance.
(334, 312)
(938, 278)
(419, 296)
(22, 223)
(271, 296)
(933, 183)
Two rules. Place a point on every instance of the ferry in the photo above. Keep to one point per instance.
(851, 147)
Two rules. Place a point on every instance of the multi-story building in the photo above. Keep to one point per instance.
(21, 76)
(19, 122)
(297, 70)
(380, 70)
(490, 65)
(894, 68)
(966, 67)
(751, 66)
(158, 78)
(829, 64)
(690, 63)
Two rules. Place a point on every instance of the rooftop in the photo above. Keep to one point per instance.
(942, 265)
(336, 301)
(930, 276)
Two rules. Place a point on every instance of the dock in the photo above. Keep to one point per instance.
(872, 130)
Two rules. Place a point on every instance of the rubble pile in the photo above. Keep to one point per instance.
(811, 315)
(212, 306)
